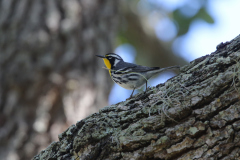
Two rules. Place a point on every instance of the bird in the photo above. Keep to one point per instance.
(128, 75)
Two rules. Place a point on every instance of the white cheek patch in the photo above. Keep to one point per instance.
(116, 62)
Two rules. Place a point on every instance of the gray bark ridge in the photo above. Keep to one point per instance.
(194, 115)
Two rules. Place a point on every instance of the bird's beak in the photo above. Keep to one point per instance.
(100, 56)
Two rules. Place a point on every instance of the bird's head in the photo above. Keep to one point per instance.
(111, 60)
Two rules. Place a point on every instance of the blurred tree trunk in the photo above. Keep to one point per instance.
(49, 74)
(195, 115)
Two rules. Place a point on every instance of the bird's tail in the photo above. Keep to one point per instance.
(167, 68)
(157, 70)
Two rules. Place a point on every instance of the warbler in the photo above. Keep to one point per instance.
(128, 75)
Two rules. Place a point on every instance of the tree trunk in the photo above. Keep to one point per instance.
(195, 115)
(49, 73)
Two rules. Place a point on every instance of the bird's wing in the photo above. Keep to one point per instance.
(129, 67)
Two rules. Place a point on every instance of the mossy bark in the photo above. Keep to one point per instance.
(194, 115)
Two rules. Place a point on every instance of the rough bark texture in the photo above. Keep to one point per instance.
(50, 77)
(195, 115)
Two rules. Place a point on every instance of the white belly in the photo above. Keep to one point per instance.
(133, 84)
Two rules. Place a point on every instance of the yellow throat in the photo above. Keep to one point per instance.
(107, 64)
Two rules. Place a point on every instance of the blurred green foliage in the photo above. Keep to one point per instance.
(139, 18)
(184, 22)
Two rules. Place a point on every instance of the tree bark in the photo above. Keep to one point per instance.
(195, 115)
(49, 75)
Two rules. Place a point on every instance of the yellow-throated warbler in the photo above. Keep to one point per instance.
(129, 75)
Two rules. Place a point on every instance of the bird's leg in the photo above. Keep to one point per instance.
(146, 87)
(132, 93)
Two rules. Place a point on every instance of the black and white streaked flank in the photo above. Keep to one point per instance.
(129, 75)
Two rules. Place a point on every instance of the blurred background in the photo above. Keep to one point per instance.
(50, 77)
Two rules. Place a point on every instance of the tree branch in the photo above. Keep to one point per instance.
(193, 115)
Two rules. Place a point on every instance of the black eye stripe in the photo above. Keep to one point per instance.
(113, 56)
